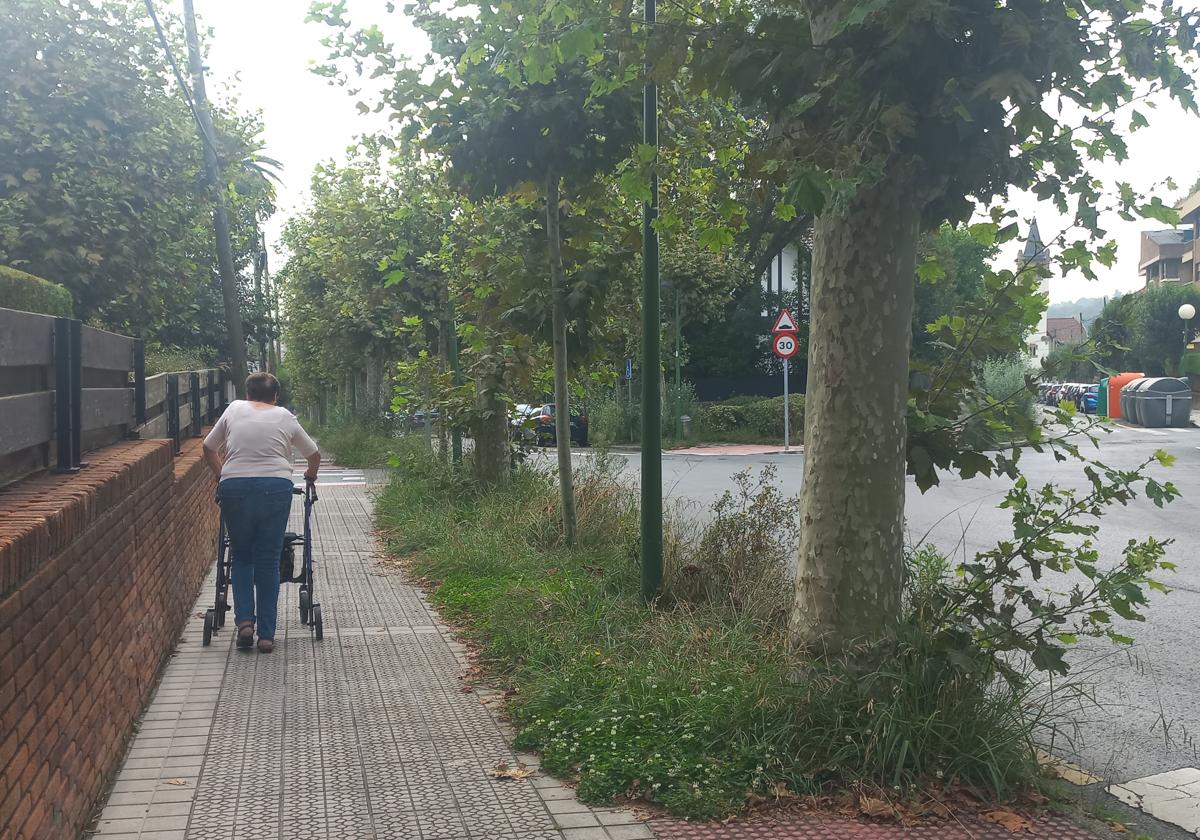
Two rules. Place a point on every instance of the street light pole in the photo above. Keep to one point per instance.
(651, 355)
(678, 395)
(1186, 313)
(456, 444)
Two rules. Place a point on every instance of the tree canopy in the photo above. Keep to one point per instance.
(100, 185)
(1142, 332)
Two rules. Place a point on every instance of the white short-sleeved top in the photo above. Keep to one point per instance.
(258, 442)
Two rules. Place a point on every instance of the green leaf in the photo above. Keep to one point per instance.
(930, 271)
(635, 186)
(809, 194)
(715, 238)
(577, 42)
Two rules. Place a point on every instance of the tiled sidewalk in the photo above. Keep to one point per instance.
(364, 735)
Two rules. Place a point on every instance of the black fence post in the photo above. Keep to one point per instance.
(211, 394)
(68, 393)
(139, 382)
(194, 391)
(222, 384)
(77, 393)
(173, 411)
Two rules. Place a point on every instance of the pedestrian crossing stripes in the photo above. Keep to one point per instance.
(331, 476)
(1172, 797)
(1141, 430)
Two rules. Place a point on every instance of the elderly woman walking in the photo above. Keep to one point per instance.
(250, 450)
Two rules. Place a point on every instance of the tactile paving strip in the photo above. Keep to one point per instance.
(365, 734)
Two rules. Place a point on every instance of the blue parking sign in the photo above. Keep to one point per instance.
(629, 368)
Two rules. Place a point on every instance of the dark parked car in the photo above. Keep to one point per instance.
(416, 420)
(543, 427)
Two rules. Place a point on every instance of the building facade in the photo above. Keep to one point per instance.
(780, 276)
(1169, 256)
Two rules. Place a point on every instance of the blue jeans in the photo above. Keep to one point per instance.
(256, 514)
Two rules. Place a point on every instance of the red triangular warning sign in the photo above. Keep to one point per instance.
(784, 322)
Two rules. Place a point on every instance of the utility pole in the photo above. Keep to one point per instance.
(212, 173)
(261, 278)
(651, 352)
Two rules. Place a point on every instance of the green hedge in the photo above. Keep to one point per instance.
(167, 359)
(759, 416)
(1189, 365)
(19, 290)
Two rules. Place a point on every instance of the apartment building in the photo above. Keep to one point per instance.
(1169, 256)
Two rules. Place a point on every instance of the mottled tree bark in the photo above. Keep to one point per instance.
(851, 560)
(562, 405)
(491, 461)
(374, 398)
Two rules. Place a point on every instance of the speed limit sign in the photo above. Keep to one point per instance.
(784, 345)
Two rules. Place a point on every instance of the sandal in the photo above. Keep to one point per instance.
(266, 645)
(245, 634)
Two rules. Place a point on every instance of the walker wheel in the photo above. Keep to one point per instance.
(305, 605)
(316, 620)
(209, 622)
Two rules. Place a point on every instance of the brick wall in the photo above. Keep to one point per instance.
(97, 573)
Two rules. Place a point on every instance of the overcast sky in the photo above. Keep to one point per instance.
(268, 48)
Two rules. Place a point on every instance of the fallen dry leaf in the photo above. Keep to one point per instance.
(1117, 828)
(872, 807)
(503, 771)
(175, 782)
(1015, 823)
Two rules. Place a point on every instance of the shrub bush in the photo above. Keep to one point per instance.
(23, 291)
(357, 446)
(722, 418)
(757, 417)
(1189, 365)
(739, 562)
(613, 420)
(168, 359)
(1003, 393)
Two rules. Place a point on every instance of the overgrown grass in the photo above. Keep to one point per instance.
(695, 706)
(355, 446)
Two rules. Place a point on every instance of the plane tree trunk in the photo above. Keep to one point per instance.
(851, 563)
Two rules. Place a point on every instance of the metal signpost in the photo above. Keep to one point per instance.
(784, 345)
(628, 396)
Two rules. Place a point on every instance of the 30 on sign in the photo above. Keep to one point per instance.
(784, 345)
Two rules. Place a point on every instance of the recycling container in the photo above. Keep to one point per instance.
(1102, 398)
(1115, 384)
(1164, 402)
(1135, 401)
(1127, 407)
